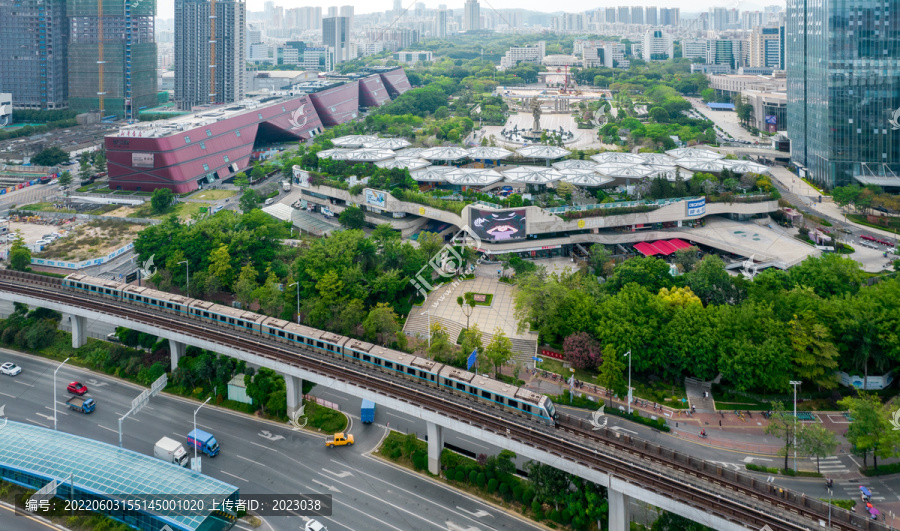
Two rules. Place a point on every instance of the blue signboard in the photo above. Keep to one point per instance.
(696, 207)
(771, 119)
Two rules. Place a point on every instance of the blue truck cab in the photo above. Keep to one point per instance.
(367, 412)
(203, 441)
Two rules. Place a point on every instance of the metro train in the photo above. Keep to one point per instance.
(496, 394)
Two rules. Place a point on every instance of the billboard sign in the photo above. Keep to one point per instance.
(375, 197)
(696, 207)
(490, 225)
(771, 119)
(142, 160)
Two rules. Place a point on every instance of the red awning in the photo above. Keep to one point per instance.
(680, 244)
(665, 248)
(646, 249)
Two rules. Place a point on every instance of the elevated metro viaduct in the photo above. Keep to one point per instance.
(627, 467)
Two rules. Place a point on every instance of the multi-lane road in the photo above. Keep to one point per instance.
(257, 456)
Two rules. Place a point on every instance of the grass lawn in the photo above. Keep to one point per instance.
(182, 210)
(213, 195)
(45, 207)
(486, 302)
(893, 222)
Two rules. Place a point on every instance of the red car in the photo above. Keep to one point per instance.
(77, 388)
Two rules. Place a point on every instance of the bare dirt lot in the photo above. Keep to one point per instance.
(90, 240)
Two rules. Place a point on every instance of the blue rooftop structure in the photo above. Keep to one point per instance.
(32, 456)
(720, 106)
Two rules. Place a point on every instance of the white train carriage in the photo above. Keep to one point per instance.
(108, 289)
(495, 393)
(160, 300)
(208, 311)
(395, 362)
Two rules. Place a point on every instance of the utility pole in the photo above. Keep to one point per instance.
(629, 381)
(795, 384)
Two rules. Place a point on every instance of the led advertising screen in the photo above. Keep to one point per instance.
(142, 160)
(494, 226)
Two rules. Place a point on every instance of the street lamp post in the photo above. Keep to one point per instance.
(54, 391)
(195, 424)
(298, 300)
(187, 269)
(629, 381)
(795, 384)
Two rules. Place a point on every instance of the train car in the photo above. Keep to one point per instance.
(226, 315)
(395, 362)
(161, 300)
(107, 289)
(497, 394)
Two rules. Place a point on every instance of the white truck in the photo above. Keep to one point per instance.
(170, 451)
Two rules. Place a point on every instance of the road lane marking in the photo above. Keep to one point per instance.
(473, 443)
(232, 475)
(260, 445)
(4, 394)
(51, 409)
(109, 429)
(36, 422)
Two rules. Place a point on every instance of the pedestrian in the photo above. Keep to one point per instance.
(720, 423)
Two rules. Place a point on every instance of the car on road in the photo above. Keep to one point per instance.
(10, 369)
(77, 388)
(339, 439)
(314, 525)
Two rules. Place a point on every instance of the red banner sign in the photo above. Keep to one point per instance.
(551, 354)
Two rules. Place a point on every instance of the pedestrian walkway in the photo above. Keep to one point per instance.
(699, 395)
(850, 489)
(831, 466)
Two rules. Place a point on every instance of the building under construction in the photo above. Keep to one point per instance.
(209, 52)
(112, 56)
(33, 39)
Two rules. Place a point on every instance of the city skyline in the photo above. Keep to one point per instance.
(166, 8)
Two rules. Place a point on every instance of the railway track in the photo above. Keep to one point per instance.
(713, 489)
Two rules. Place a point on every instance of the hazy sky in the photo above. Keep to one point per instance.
(166, 8)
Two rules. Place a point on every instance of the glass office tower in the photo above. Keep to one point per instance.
(843, 84)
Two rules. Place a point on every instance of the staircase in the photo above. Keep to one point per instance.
(695, 389)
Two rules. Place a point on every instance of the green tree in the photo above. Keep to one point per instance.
(814, 354)
(270, 295)
(381, 321)
(249, 200)
(708, 95)
(65, 179)
(651, 273)
(19, 254)
(871, 430)
(84, 169)
(659, 115)
(599, 259)
(784, 425)
(246, 285)
(711, 282)
(816, 440)
(352, 218)
(499, 350)
(472, 338)
(686, 259)
(610, 375)
(257, 172)
(220, 266)
(261, 385)
(241, 181)
(100, 161)
(51, 156)
(161, 200)
(441, 349)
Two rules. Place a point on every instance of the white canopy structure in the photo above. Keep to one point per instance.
(409, 163)
(745, 166)
(444, 153)
(574, 164)
(369, 155)
(657, 159)
(334, 154)
(542, 152)
(615, 156)
(707, 165)
(409, 152)
(669, 172)
(387, 143)
(587, 178)
(472, 177)
(695, 153)
(625, 171)
(532, 175)
(488, 153)
(432, 174)
(353, 141)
